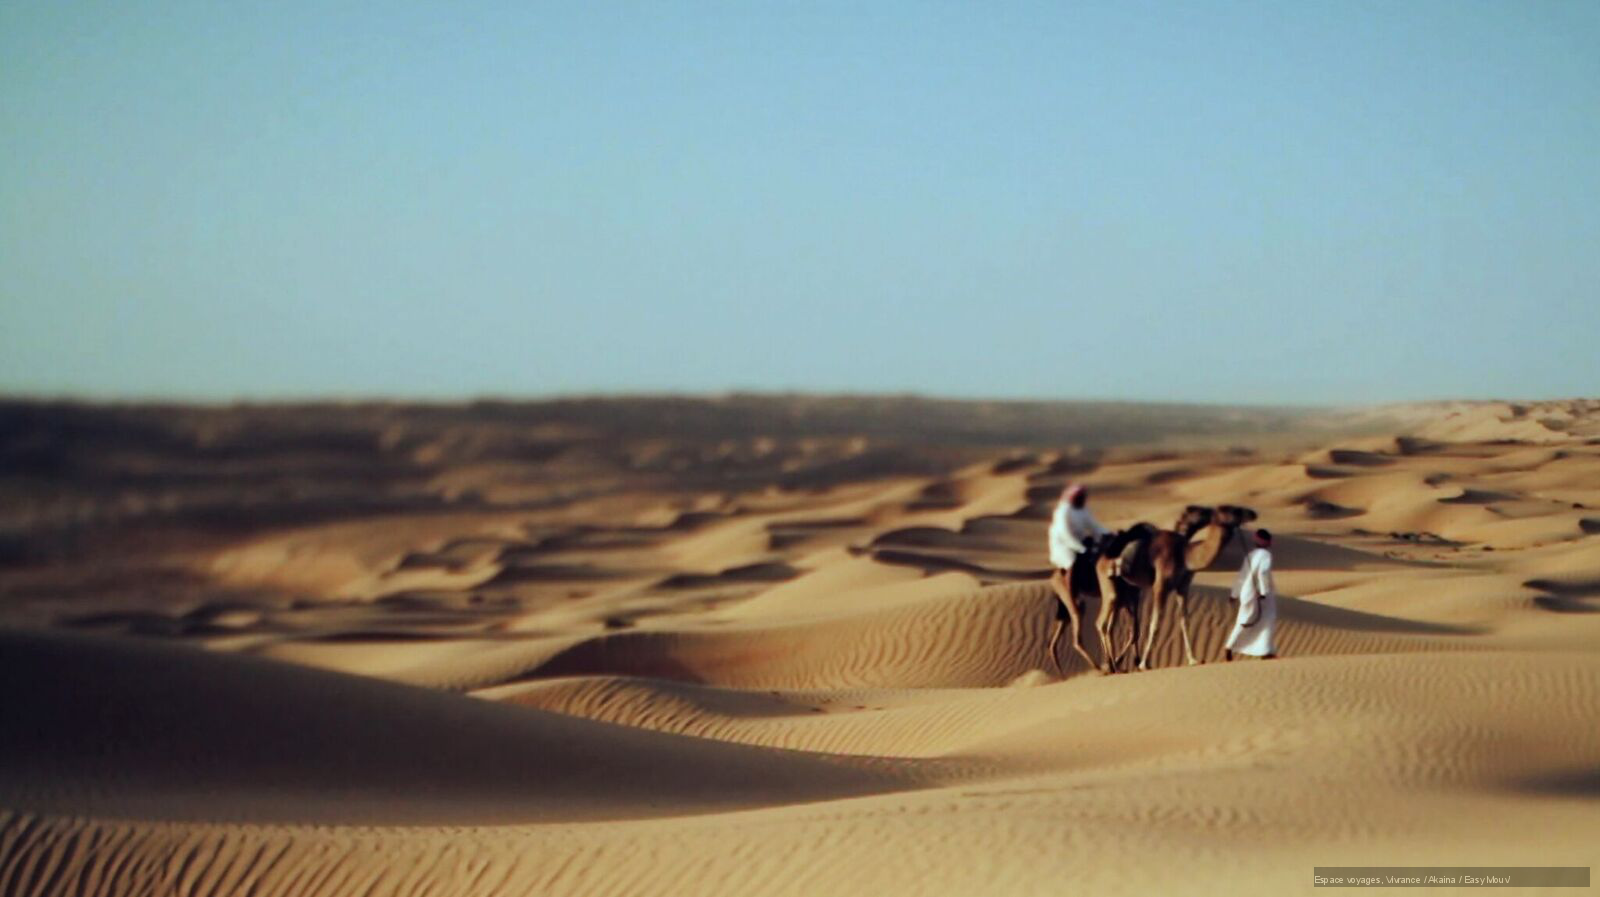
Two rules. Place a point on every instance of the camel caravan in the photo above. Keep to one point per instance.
(1122, 569)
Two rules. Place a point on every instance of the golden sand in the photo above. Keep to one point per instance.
(792, 664)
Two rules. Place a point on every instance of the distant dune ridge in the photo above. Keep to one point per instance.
(780, 645)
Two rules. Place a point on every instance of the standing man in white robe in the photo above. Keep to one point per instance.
(1258, 604)
(1073, 531)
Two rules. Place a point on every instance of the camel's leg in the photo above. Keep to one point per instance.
(1055, 636)
(1058, 628)
(1183, 623)
(1135, 597)
(1106, 619)
(1119, 611)
(1063, 586)
(1158, 597)
(1127, 606)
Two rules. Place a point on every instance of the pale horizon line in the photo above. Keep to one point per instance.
(398, 398)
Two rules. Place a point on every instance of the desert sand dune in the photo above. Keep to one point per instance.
(784, 646)
(169, 732)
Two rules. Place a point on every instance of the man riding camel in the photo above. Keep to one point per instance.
(1073, 532)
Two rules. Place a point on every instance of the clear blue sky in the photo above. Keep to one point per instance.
(1233, 202)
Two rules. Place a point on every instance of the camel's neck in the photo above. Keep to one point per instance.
(1204, 546)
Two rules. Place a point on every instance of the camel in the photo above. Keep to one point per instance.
(1142, 563)
(1144, 559)
(1118, 586)
(1164, 562)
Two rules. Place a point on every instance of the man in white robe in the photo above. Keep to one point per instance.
(1072, 531)
(1258, 604)
(1072, 528)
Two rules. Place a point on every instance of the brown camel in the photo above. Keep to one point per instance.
(1100, 575)
(1141, 562)
(1174, 556)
